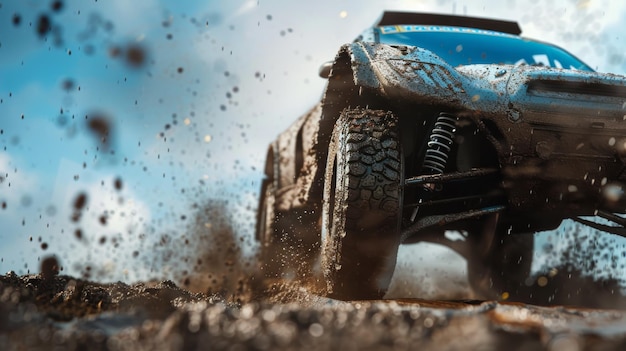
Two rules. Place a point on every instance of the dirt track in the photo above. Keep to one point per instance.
(239, 311)
(68, 313)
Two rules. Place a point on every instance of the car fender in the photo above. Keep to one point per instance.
(405, 72)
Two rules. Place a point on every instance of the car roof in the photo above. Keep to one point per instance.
(400, 18)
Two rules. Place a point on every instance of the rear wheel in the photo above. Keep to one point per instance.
(500, 262)
(289, 242)
(271, 255)
(362, 204)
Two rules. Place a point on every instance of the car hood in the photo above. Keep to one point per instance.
(423, 77)
(540, 90)
(565, 93)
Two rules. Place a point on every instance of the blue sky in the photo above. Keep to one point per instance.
(220, 80)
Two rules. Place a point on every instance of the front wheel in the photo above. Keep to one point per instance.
(362, 204)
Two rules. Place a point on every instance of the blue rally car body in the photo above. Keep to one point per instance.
(431, 123)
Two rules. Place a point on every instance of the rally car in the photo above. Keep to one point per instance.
(435, 124)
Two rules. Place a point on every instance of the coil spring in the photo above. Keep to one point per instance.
(440, 144)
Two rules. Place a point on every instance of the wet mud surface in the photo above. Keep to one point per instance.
(47, 311)
(223, 302)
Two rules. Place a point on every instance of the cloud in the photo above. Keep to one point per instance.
(101, 223)
(247, 6)
(16, 185)
(106, 234)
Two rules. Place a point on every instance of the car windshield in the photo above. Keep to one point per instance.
(464, 46)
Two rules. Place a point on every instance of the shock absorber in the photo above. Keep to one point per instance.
(440, 144)
(437, 152)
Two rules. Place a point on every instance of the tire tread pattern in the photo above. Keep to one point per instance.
(363, 235)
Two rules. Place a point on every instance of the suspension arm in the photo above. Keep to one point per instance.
(442, 220)
(449, 177)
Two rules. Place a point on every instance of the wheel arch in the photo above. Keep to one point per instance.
(351, 82)
(342, 91)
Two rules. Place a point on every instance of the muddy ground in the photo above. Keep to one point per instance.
(51, 311)
(221, 302)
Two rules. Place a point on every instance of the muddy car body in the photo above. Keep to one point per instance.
(433, 123)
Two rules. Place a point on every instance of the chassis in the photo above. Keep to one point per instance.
(404, 147)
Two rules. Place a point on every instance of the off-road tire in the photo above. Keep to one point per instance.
(270, 254)
(502, 266)
(289, 242)
(362, 204)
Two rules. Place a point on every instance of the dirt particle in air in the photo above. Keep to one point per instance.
(78, 234)
(101, 127)
(80, 201)
(4, 205)
(68, 85)
(115, 51)
(79, 204)
(57, 6)
(44, 25)
(17, 19)
(135, 56)
(180, 70)
(49, 267)
(118, 184)
(44, 246)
